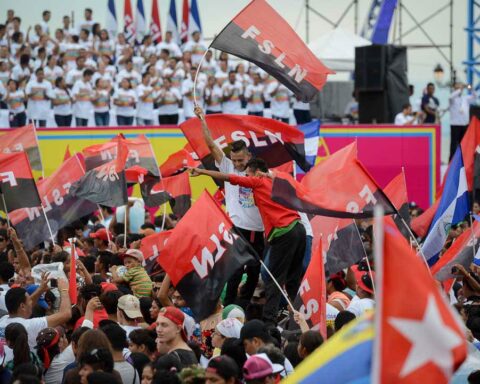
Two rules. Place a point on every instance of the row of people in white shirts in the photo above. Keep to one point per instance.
(140, 102)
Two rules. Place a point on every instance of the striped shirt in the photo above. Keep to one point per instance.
(139, 281)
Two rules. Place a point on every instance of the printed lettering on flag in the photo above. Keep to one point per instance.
(199, 268)
(340, 186)
(16, 182)
(273, 141)
(254, 35)
(60, 207)
(22, 139)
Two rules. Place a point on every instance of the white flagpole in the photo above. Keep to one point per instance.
(125, 228)
(284, 294)
(48, 226)
(196, 76)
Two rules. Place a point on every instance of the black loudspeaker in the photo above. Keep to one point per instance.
(381, 82)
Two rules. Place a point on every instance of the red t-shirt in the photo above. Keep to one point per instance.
(98, 316)
(273, 214)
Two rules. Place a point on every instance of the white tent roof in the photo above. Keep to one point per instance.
(336, 49)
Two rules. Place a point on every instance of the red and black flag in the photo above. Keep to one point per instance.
(140, 154)
(61, 208)
(340, 241)
(311, 300)
(396, 191)
(260, 35)
(151, 247)
(174, 189)
(105, 184)
(16, 182)
(178, 161)
(462, 251)
(200, 267)
(23, 140)
(273, 141)
(340, 186)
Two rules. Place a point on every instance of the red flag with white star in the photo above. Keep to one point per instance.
(419, 337)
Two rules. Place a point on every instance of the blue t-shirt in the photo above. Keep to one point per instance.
(431, 102)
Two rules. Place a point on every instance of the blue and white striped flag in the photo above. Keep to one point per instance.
(172, 22)
(111, 23)
(312, 135)
(453, 207)
(140, 22)
(194, 24)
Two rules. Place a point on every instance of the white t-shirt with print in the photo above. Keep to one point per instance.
(169, 103)
(239, 201)
(359, 306)
(83, 91)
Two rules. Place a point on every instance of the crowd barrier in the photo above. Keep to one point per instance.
(383, 149)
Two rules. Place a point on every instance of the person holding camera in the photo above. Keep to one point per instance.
(406, 117)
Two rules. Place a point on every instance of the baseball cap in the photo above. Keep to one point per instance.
(176, 316)
(101, 234)
(365, 282)
(130, 305)
(135, 253)
(229, 328)
(107, 287)
(233, 311)
(41, 301)
(260, 366)
(224, 366)
(254, 328)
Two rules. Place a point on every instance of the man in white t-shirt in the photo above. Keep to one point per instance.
(232, 92)
(241, 208)
(364, 300)
(405, 117)
(19, 305)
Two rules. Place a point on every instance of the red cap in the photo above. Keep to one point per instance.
(365, 279)
(107, 287)
(176, 316)
(101, 234)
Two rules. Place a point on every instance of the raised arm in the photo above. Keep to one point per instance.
(23, 260)
(213, 174)
(216, 152)
(64, 312)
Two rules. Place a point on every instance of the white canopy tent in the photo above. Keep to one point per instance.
(336, 49)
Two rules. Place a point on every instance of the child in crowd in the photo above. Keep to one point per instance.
(136, 276)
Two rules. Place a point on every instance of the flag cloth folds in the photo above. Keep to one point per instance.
(111, 24)
(105, 184)
(194, 24)
(413, 316)
(311, 132)
(273, 141)
(172, 23)
(311, 299)
(344, 358)
(396, 191)
(140, 22)
(61, 208)
(453, 207)
(199, 268)
(185, 21)
(462, 251)
(254, 35)
(129, 26)
(175, 189)
(177, 162)
(340, 240)
(23, 139)
(340, 186)
(151, 246)
(155, 26)
(16, 182)
(469, 144)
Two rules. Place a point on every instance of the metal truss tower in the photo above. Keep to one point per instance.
(473, 44)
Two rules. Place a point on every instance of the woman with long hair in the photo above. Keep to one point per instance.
(16, 337)
(48, 346)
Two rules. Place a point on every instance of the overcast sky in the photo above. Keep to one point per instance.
(215, 14)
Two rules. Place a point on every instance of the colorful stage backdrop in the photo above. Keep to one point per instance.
(384, 149)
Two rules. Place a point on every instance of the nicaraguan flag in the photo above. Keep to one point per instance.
(453, 207)
(172, 23)
(194, 24)
(140, 22)
(311, 131)
(111, 23)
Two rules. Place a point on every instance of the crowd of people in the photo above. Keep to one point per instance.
(75, 71)
(127, 323)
